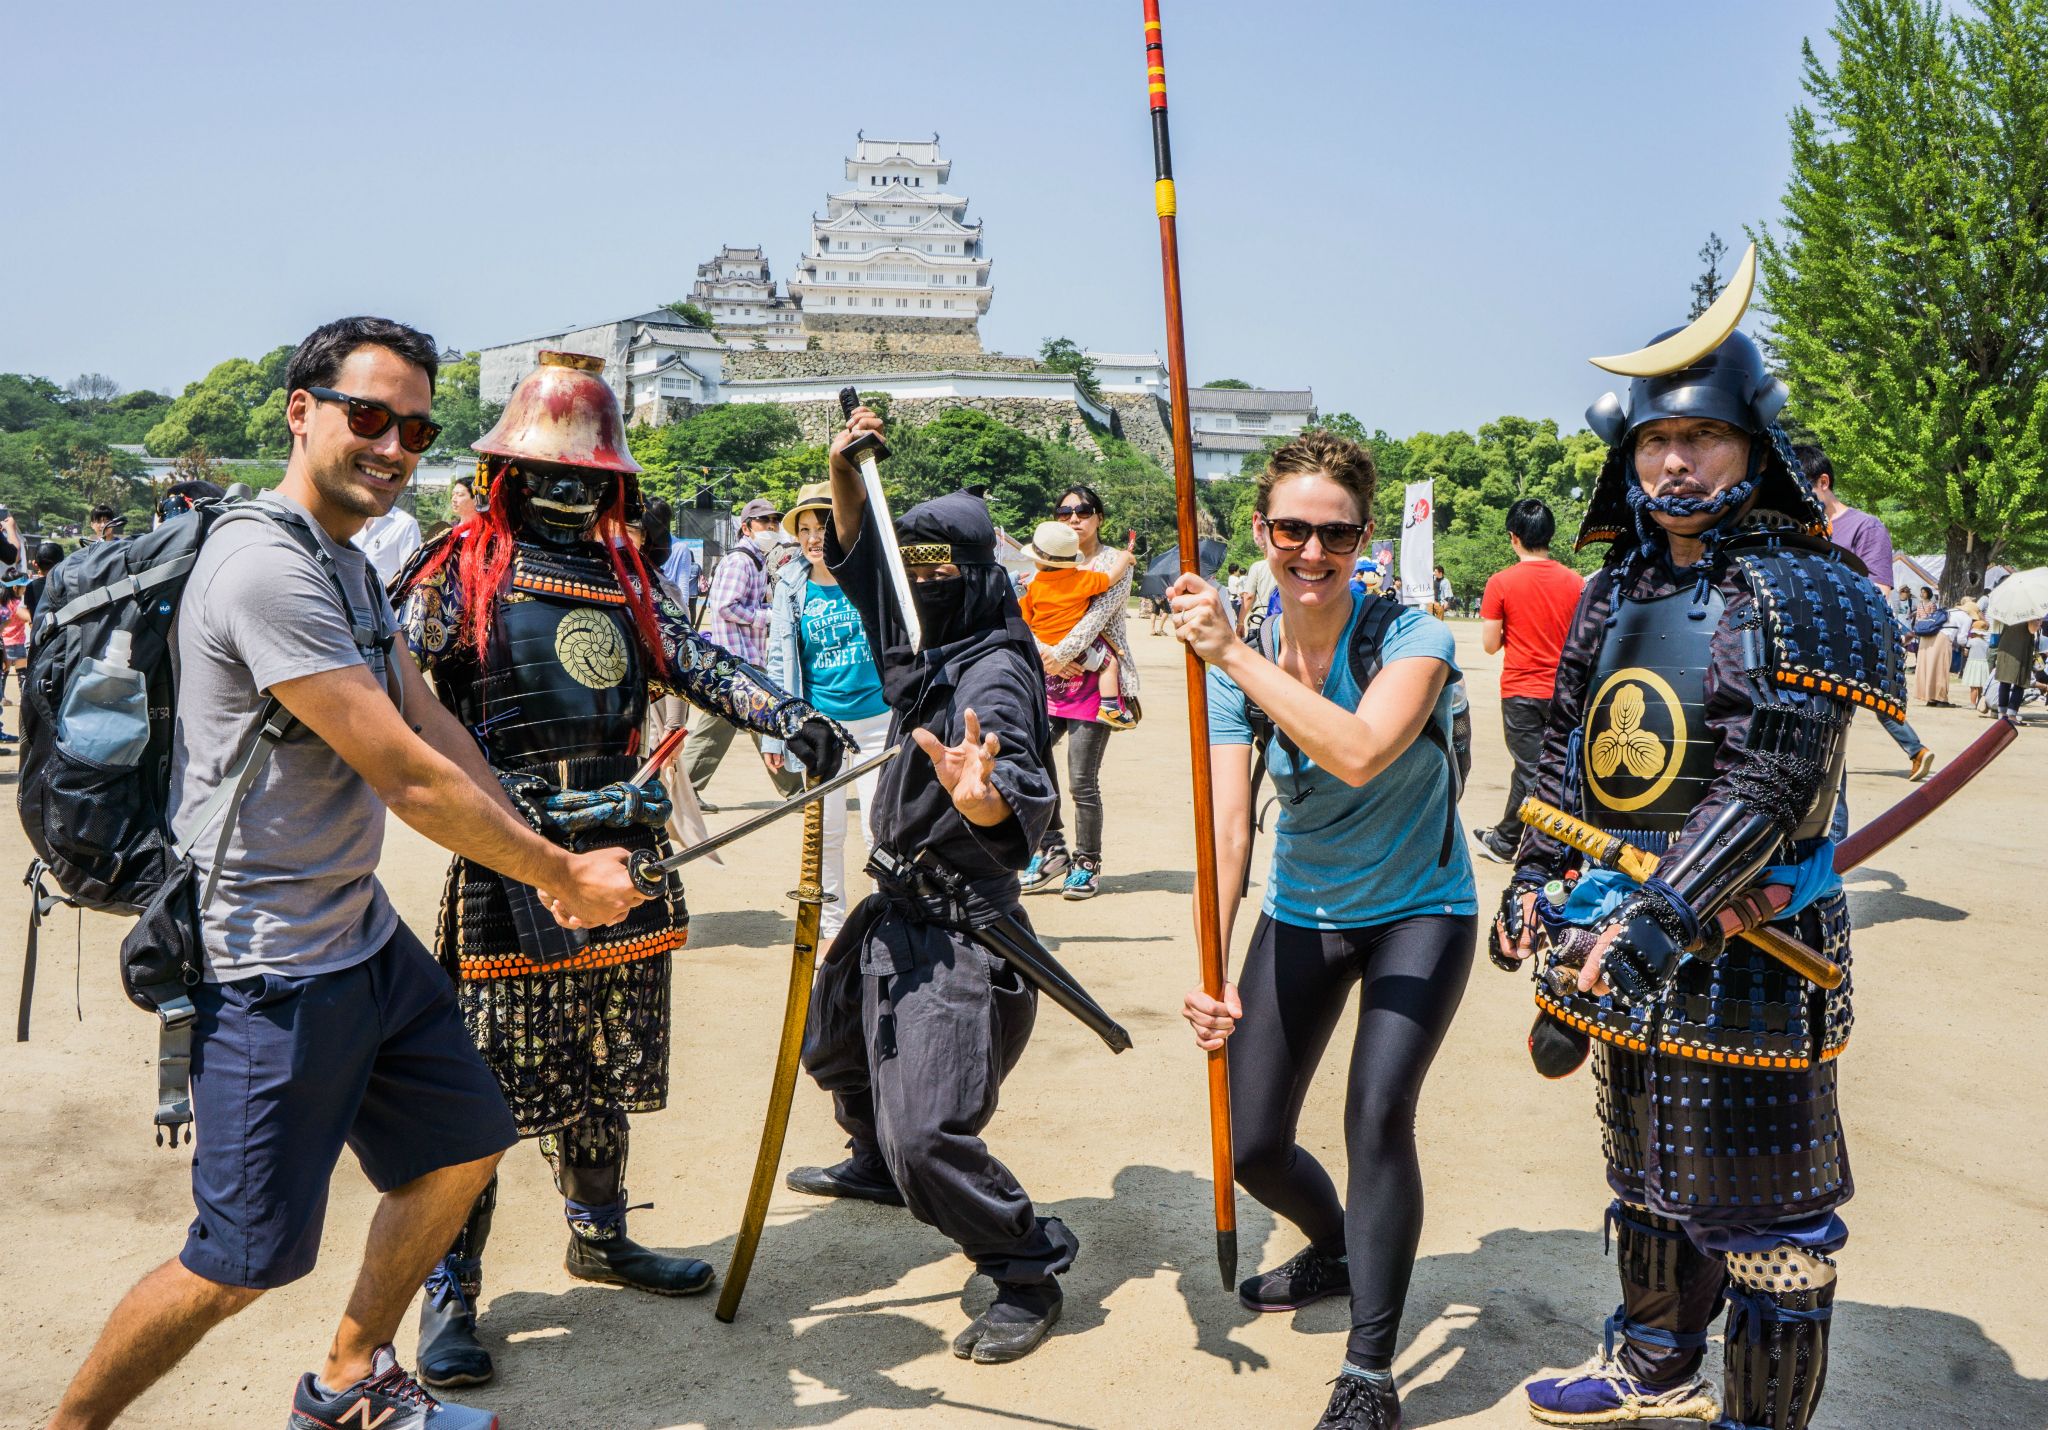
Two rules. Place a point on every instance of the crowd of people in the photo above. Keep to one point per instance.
(498, 683)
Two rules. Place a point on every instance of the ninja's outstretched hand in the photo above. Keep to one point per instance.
(964, 769)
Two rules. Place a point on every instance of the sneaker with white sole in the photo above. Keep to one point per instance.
(1045, 870)
(1600, 1392)
(1082, 878)
(388, 1398)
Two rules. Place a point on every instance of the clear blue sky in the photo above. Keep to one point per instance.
(1431, 213)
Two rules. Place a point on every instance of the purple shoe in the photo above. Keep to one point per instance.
(1600, 1392)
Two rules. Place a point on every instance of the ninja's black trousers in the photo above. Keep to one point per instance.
(914, 1060)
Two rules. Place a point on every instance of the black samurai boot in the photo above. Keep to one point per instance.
(861, 1177)
(1022, 1315)
(600, 1250)
(450, 1353)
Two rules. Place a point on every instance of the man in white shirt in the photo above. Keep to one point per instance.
(389, 541)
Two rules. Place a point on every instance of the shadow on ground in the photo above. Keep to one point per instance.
(816, 1339)
(1870, 907)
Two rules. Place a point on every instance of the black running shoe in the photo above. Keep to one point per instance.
(1360, 1404)
(1305, 1280)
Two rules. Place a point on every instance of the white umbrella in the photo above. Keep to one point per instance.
(2020, 597)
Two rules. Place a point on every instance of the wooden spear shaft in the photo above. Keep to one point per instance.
(1208, 918)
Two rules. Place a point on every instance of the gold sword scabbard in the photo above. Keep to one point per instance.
(1639, 865)
(803, 962)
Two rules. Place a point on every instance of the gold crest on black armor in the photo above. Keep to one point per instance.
(1635, 735)
(590, 648)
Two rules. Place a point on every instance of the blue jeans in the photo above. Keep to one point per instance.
(1901, 732)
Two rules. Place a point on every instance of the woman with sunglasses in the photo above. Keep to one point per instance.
(1361, 891)
(1078, 873)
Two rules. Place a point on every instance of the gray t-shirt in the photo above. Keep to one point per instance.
(298, 891)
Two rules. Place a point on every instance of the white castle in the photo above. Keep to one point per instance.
(896, 244)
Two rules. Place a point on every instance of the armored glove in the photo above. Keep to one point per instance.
(1510, 923)
(819, 745)
(616, 806)
(1657, 928)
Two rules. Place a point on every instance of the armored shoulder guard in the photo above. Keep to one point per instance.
(1825, 628)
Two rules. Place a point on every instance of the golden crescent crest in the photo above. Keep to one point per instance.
(1621, 746)
(589, 646)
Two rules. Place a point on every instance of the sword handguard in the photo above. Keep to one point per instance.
(646, 878)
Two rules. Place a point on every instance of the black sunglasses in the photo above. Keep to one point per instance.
(371, 419)
(1339, 538)
(1078, 509)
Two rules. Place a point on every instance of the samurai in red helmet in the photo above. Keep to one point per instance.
(546, 636)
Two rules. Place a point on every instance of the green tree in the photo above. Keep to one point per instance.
(27, 402)
(1064, 355)
(736, 434)
(690, 313)
(1707, 287)
(464, 416)
(1236, 382)
(267, 432)
(1908, 276)
(965, 448)
(214, 412)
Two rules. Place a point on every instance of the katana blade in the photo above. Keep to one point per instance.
(655, 868)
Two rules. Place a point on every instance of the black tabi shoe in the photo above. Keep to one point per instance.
(600, 1250)
(450, 1353)
(1305, 1280)
(1011, 1328)
(1360, 1404)
(850, 1178)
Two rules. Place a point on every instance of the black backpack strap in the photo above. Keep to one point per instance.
(129, 586)
(1366, 638)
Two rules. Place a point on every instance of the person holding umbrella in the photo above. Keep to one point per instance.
(2018, 604)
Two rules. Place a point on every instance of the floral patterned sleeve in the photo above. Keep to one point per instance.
(433, 617)
(716, 680)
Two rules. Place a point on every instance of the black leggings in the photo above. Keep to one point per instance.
(1293, 986)
(1086, 741)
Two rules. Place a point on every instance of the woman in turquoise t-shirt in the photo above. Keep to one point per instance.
(1363, 890)
(818, 650)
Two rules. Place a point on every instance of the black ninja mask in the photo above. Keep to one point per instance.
(562, 503)
(941, 609)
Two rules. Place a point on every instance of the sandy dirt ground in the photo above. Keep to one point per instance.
(846, 1321)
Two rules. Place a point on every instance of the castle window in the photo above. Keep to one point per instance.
(903, 302)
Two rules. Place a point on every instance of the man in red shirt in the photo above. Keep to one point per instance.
(1527, 608)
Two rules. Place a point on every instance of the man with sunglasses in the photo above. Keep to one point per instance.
(322, 1022)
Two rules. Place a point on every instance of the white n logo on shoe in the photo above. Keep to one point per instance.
(360, 1413)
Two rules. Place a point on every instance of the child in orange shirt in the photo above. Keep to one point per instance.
(1053, 605)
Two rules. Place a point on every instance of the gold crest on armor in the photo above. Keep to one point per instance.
(588, 645)
(1635, 738)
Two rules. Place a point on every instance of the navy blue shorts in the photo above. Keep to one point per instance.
(286, 1071)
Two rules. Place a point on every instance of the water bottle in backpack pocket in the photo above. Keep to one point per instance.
(104, 716)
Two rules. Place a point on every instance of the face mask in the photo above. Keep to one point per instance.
(768, 540)
(939, 607)
(562, 506)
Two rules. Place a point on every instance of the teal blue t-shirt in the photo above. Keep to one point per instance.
(1352, 858)
(840, 677)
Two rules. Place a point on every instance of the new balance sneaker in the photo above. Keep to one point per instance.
(1306, 1279)
(1600, 1392)
(1045, 870)
(1357, 1403)
(388, 1398)
(1081, 879)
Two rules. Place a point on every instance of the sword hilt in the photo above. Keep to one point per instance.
(867, 444)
